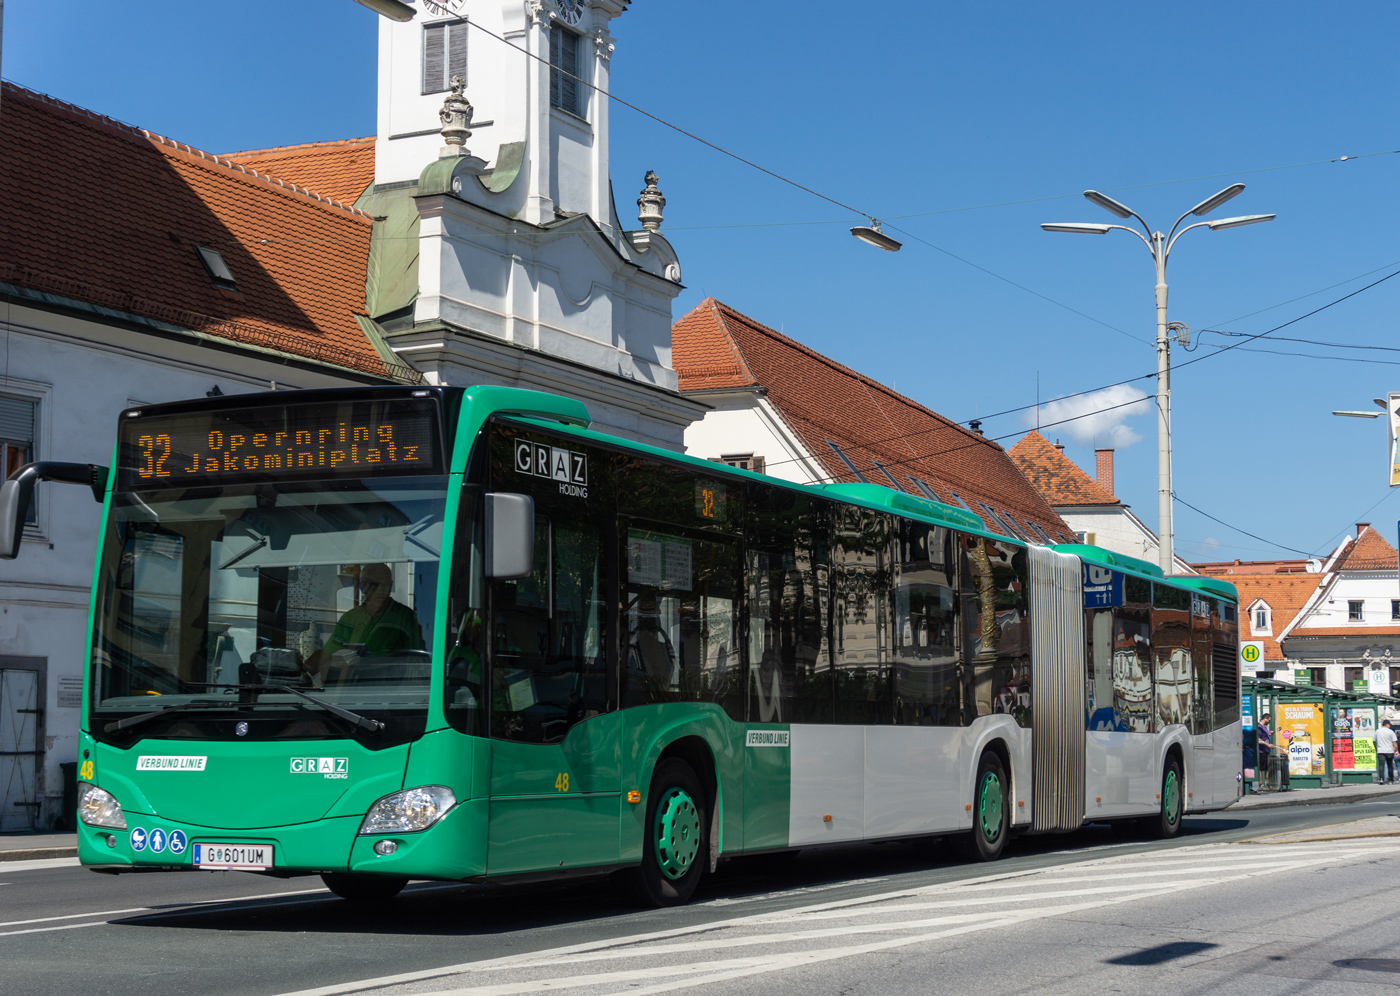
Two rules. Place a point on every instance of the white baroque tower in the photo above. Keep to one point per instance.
(498, 255)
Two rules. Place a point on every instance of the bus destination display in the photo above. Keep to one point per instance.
(307, 441)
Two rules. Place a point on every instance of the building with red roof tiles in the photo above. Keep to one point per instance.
(135, 270)
(340, 170)
(778, 407)
(1086, 503)
(1338, 619)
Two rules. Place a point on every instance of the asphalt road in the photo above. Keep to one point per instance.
(1052, 916)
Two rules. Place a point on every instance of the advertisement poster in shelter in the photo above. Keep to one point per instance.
(1356, 749)
(1301, 732)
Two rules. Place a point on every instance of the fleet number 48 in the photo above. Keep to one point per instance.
(562, 782)
(85, 772)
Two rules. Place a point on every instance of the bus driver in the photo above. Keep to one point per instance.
(376, 627)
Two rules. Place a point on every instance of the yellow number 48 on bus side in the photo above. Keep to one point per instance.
(562, 782)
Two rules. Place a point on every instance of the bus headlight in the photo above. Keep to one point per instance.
(98, 808)
(410, 810)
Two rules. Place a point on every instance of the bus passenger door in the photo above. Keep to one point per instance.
(554, 742)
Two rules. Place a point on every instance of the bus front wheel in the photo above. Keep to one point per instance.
(364, 888)
(1167, 822)
(674, 846)
(990, 815)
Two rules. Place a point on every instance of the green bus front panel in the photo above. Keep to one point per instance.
(555, 805)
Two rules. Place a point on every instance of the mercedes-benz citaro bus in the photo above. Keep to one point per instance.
(381, 634)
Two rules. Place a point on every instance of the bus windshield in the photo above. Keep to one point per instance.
(215, 602)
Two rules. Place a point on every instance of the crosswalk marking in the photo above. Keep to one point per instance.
(706, 954)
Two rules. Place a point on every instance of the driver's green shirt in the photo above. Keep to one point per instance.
(395, 628)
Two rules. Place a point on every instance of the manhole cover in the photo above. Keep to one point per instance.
(1370, 964)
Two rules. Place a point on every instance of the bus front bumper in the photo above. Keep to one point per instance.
(454, 848)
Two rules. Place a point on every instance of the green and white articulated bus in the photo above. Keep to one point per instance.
(382, 634)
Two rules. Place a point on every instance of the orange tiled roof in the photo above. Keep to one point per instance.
(1369, 552)
(1229, 568)
(715, 347)
(1055, 475)
(100, 212)
(1286, 595)
(1356, 630)
(339, 170)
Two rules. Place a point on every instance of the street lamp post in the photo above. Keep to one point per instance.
(1161, 246)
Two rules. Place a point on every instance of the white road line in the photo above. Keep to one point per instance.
(203, 906)
(618, 946)
(44, 930)
(38, 864)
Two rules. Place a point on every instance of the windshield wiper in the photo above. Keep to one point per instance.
(139, 718)
(353, 718)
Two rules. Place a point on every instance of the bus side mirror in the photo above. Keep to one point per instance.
(510, 535)
(17, 495)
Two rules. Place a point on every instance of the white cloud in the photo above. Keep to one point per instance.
(1099, 418)
(1209, 545)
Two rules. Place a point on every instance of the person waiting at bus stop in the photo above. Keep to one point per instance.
(379, 625)
(1385, 752)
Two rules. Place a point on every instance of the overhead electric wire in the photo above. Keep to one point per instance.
(1182, 501)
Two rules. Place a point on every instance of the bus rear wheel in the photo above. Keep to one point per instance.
(675, 846)
(364, 888)
(990, 815)
(1167, 822)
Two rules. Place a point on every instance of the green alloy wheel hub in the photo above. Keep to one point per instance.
(989, 803)
(1171, 794)
(677, 833)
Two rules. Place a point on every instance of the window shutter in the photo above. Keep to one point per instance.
(456, 52)
(554, 44)
(434, 58)
(563, 58)
(17, 420)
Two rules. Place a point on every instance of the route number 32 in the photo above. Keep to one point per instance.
(562, 782)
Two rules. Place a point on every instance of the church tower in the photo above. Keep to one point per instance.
(499, 256)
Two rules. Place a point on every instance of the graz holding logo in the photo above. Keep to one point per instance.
(329, 767)
(553, 463)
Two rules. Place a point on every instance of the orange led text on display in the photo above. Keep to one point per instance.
(337, 446)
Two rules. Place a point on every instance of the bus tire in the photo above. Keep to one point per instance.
(990, 815)
(674, 844)
(1167, 822)
(364, 888)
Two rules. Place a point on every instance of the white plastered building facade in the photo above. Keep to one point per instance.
(502, 259)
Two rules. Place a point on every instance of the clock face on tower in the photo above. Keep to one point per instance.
(571, 9)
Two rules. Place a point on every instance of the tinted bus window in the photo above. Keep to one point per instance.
(680, 628)
(787, 575)
(862, 569)
(925, 638)
(549, 632)
(996, 620)
(1171, 650)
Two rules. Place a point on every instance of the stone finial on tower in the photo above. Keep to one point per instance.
(650, 203)
(456, 115)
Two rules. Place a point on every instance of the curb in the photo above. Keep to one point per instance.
(1327, 800)
(31, 853)
(1280, 838)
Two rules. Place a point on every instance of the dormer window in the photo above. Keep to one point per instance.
(1261, 619)
(563, 71)
(444, 55)
(218, 269)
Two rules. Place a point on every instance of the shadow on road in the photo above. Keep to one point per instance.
(448, 909)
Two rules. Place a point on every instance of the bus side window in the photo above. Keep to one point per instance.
(788, 581)
(996, 621)
(863, 572)
(1171, 651)
(926, 639)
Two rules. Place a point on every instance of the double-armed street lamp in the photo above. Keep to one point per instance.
(1161, 246)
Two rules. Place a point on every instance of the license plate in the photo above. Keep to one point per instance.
(233, 856)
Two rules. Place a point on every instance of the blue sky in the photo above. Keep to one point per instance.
(942, 117)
